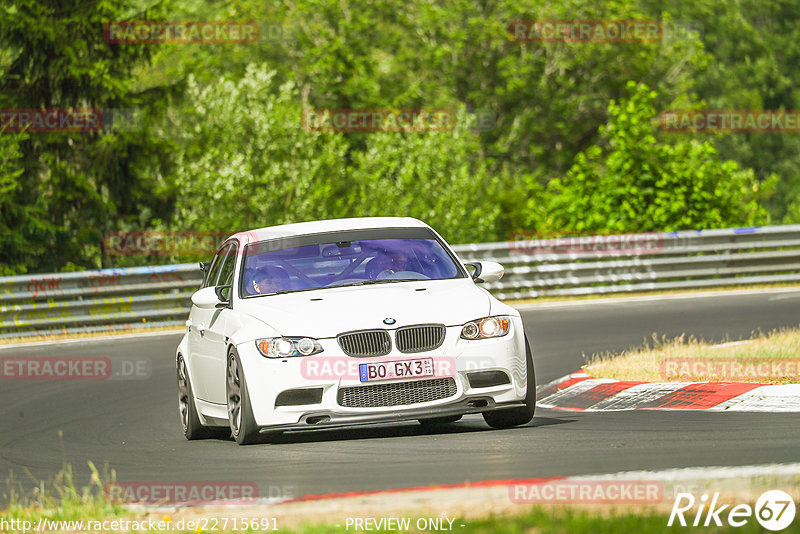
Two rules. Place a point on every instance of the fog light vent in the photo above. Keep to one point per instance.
(487, 379)
(299, 397)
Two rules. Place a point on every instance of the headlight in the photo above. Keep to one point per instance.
(286, 347)
(486, 328)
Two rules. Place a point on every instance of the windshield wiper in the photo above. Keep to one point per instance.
(284, 291)
(364, 283)
(384, 281)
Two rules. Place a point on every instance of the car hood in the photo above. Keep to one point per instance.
(326, 313)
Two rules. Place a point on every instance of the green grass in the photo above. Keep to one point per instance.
(63, 499)
(60, 498)
(567, 520)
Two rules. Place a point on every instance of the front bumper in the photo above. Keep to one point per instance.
(268, 378)
(329, 420)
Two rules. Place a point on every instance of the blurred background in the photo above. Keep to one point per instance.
(549, 137)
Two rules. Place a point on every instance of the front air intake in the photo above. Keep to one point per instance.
(487, 379)
(299, 397)
(420, 338)
(365, 343)
(397, 394)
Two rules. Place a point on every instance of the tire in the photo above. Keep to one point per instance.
(187, 410)
(436, 421)
(240, 412)
(522, 415)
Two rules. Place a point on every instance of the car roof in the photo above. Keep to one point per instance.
(328, 225)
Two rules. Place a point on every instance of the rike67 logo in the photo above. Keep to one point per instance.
(774, 510)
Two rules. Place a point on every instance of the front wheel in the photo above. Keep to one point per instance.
(240, 412)
(522, 415)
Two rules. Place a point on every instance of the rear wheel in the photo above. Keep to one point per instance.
(240, 412)
(522, 415)
(436, 421)
(190, 421)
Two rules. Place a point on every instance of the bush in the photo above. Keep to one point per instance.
(633, 182)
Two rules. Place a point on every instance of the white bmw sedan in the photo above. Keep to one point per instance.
(349, 321)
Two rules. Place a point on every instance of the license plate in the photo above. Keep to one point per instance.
(370, 372)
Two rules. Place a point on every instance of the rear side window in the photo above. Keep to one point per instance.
(216, 265)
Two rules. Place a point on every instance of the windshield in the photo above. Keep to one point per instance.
(330, 261)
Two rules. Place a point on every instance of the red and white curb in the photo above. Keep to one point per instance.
(582, 392)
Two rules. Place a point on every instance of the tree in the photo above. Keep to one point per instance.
(635, 182)
(438, 177)
(83, 183)
(548, 99)
(245, 161)
(756, 49)
(18, 224)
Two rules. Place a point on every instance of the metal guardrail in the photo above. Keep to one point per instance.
(104, 299)
(112, 299)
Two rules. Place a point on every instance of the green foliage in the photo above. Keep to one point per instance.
(280, 173)
(756, 49)
(437, 177)
(635, 182)
(62, 497)
(75, 185)
(274, 173)
(12, 216)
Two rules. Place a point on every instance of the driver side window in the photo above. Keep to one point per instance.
(216, 265)
(226, 273)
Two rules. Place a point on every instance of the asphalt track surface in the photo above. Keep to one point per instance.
(133, 425)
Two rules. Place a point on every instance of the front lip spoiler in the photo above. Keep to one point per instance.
(330, 420)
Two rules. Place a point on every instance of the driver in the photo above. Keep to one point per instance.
(269, 280)
(393, 262)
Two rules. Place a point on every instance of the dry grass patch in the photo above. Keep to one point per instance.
(767, 359)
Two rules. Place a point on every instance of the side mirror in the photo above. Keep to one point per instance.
(474, 269)
(223, 293)
(208, 298)
(486, 271)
